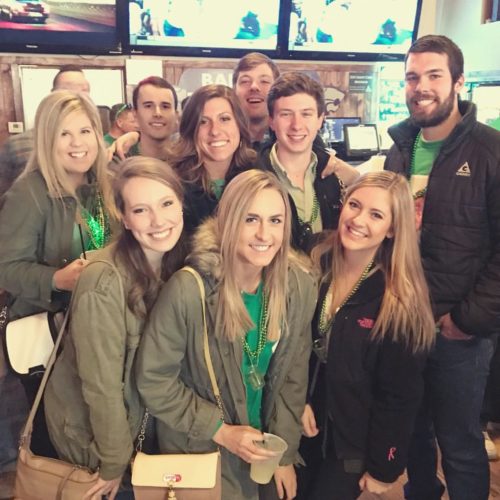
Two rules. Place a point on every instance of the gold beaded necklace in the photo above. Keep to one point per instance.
(325, 322)
(262, 339)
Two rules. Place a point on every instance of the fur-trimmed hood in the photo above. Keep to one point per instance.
(206, 258)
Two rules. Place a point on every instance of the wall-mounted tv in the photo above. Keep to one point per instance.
(59, 26)
(203, 27)
(352, 29)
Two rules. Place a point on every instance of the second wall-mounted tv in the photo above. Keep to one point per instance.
(352, 29)
(59, 26)
(203, 27)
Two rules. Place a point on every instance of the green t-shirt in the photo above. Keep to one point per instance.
(253, 303)
(109, 139)
(217, 186)
(424, 155)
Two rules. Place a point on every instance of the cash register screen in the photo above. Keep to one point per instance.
(361, 141)
(333, 127)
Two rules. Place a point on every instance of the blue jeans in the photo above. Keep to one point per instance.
(456, 376)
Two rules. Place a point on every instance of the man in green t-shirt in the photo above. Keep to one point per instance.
(453, 162)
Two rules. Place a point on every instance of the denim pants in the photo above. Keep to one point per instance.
(456, 376)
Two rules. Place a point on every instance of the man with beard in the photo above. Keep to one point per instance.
(453, 165)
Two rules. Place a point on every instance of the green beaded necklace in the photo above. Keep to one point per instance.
(314, 212)
(264, 313)
(325, 322)
(96, 225)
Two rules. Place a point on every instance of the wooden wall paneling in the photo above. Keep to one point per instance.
(7, 111)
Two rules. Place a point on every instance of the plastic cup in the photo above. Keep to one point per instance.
(262, 472)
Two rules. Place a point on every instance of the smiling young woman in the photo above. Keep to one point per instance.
(372, 331)
(213, 147)
(91, 396)
(53, 212)
(259, 303)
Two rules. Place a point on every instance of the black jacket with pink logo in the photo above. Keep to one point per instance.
(373, 389)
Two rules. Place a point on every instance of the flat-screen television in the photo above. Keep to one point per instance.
(203, 27)
(361, 141)
(352, 29)
(333, 127)
(59, 26)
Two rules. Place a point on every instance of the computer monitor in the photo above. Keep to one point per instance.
(333, 127)
(361, 141)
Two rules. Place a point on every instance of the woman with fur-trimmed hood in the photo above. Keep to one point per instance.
(259, 304)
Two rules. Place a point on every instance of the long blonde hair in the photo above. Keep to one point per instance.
(50, 114)
(232, 210)
(406, 312)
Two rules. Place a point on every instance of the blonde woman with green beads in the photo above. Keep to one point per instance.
(259, 302)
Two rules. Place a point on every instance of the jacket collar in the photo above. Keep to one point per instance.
(404, 133)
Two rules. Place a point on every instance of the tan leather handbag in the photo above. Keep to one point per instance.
(41, 478)
(193, 476)
(177, 476)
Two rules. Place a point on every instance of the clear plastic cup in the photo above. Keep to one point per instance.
(263, 471)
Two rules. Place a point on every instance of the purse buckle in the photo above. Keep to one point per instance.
(172, 478)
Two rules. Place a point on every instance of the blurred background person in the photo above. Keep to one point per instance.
(122, 120)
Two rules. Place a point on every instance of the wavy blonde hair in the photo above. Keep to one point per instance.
(406, 310)
(51, 112)
(232, 210)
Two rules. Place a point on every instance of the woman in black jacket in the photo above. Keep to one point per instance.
(372, 328)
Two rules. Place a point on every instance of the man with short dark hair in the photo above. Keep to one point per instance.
(296, 106)
(155, 108)
(453, 165)
(17, 148)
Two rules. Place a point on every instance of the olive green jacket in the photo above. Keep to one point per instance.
(92, 405)
(173, 379)
(36, 233)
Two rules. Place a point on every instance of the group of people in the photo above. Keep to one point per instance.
(344, 313)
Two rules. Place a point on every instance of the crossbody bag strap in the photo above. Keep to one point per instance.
(206, 350)
(29, 422)
(208, 361)
(50, 363)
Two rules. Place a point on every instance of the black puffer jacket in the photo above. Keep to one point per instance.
(460, 239)
(328, 191)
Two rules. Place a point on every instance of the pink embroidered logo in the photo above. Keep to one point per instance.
(366, 322)
(390, 455)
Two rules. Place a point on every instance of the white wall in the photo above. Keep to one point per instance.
(461, 21)
(427, 24)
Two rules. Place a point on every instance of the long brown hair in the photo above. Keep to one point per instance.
(185, 155)
(145, 284)
(405, 313)
(232, 210)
